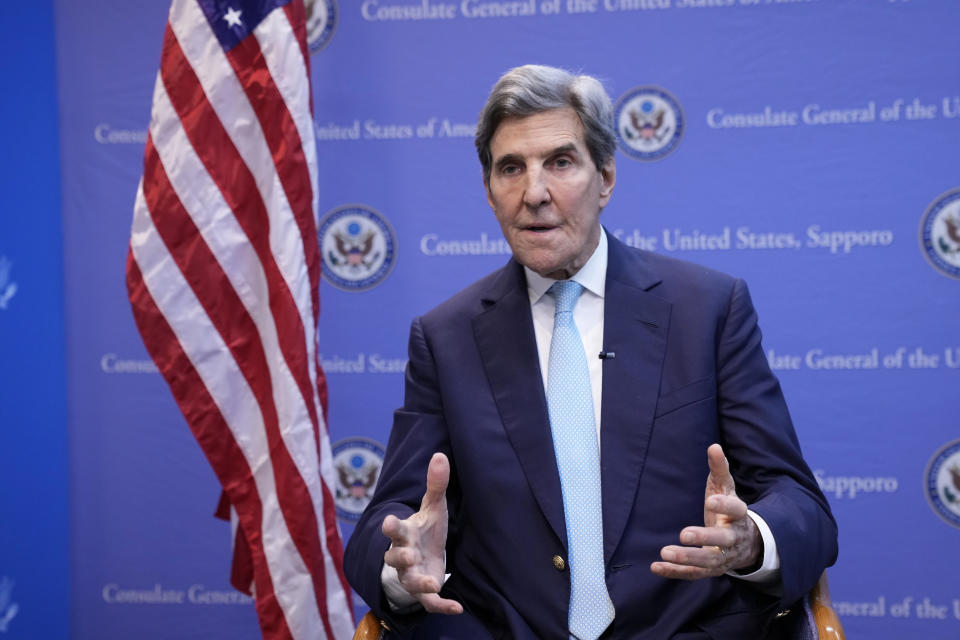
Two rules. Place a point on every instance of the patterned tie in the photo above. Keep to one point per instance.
(570, 403)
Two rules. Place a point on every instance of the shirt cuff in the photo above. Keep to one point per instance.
(399, 599)
(769, 570)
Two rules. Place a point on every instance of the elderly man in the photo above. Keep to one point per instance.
(545, 475)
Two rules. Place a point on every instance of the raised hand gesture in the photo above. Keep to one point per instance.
(419, 542)
(729, 539)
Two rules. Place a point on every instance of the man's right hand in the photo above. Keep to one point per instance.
(417, 552)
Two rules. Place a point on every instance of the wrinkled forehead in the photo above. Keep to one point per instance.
(538, 134)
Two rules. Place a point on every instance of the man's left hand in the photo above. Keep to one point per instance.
(729, 540)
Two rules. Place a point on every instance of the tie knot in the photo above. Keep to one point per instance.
(566, 293)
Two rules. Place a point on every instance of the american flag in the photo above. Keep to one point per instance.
(223, 274)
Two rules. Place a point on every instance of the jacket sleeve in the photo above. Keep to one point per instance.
(418, 432)
(764, 452)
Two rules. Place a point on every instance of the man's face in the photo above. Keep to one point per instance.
(546, 191)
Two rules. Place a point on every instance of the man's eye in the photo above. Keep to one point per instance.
(562, 163)
(510, 169)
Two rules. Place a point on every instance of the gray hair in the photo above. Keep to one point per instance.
(531, 89)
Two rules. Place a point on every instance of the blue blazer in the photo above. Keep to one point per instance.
(689, 371)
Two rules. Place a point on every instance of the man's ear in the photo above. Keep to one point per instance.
(608, 177)
(486, 187)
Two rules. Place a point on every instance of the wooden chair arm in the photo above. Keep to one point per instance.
(369, 628)
(827, 620)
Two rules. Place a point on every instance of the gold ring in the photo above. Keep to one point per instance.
(723, 551)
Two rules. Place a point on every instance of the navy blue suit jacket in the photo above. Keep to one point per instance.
(689, 371)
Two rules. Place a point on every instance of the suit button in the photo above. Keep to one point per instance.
(558, 563)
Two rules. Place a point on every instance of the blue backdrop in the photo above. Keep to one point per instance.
(808, 147)
(34, 562)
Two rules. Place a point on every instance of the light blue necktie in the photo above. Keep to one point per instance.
(570, 403)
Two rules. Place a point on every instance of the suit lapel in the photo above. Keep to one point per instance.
(505, 339)
(635, 329)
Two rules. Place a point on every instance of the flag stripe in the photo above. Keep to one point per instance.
(229, 153)
(286, 68)
(296, 16)
(205, 132)
(201, 399)
(224, 242)
(207, 423)
(227, 345)
(237, 185)
(225, 94)
(288, 156)
(242, 337)
(337, 598)
(220, 375)
(285, 65)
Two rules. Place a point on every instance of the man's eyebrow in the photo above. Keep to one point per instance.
(514, 158)
(565, 148)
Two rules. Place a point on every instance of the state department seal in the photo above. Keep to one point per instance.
(358, 462)
(650, 123)
(940, 234)
(942, 480)
(322, 18)
(359, 247)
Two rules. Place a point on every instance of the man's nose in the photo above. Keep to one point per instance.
(537, 191)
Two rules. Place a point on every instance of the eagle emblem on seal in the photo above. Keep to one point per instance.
(355, 248)
(356, 483)
(647, 122)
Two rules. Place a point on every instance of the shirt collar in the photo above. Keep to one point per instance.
(592, 275)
